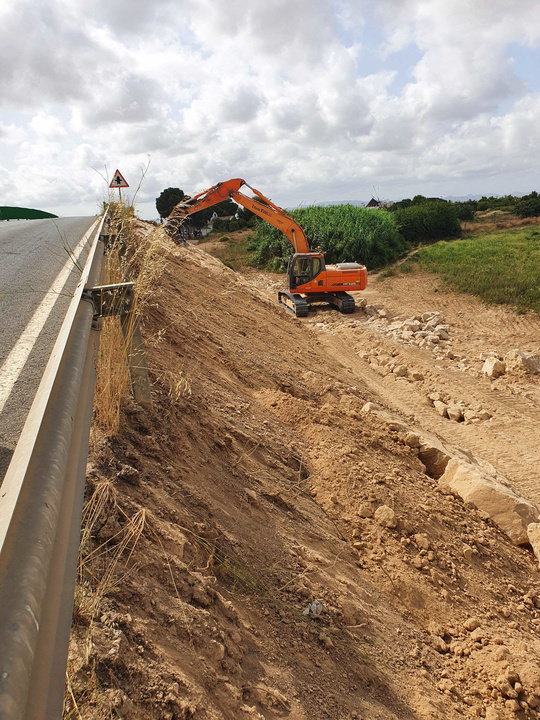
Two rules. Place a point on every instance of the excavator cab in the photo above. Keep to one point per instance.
(302, 269)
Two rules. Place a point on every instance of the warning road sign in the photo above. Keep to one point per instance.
(118, 181)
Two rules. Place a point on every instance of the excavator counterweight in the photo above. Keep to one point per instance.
(309, 279)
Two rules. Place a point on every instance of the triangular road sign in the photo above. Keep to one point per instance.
(118, 181)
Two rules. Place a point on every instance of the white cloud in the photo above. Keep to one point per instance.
(307, 100)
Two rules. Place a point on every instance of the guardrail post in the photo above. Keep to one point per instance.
(138, 368)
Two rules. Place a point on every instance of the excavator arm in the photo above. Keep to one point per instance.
(265, 210)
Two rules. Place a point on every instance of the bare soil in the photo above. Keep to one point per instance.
(256, 480)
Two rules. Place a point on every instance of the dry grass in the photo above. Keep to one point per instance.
(135, 255)
(105, 558)
(494, 221)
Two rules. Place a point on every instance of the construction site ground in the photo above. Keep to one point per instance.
(285, 553)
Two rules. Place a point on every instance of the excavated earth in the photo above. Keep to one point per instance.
(284, 547)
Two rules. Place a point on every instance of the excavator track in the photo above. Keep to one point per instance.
(298, 305)
(294, 303)
(344, 302)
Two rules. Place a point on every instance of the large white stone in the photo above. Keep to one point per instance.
(527, 362)
(513, 514)
(493, 367)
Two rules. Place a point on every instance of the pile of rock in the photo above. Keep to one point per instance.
(386, 364)
(514, 361)
(426, 330)
(458, 411)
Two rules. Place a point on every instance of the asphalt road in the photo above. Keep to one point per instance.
(32, 254)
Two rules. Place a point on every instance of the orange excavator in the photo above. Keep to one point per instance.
(309, 279)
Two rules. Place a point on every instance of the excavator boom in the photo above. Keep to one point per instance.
(309, 280)
(265, 210)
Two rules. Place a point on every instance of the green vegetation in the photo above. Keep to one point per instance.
(167, 200)
(18, 213)
(172, 196)
(343, 232)
(427, 221)
(234, 252)
(528, 206)
(500, 268)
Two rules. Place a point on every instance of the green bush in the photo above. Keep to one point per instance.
(220, 225)
(465, 210)
(528, 206)
(431, 220)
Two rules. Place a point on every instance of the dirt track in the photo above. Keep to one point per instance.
(510, 440)
(265, 484)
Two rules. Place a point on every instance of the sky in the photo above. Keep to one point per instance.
(306, 100)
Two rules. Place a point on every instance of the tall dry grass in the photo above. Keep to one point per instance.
(134, 255)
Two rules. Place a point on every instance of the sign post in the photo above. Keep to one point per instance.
(119, 182)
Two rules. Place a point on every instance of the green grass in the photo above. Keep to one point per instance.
(499, 268)
(233, 251)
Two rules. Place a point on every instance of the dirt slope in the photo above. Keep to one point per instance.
(261, 483)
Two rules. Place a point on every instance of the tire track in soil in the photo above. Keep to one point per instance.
(510, 441)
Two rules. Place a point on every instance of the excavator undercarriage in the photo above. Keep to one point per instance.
(299, 305)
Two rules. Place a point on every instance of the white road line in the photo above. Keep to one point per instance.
(16, 360)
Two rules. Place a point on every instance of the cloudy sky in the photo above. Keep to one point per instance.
(307, 100)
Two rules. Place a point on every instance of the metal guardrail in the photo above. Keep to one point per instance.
(40, 515)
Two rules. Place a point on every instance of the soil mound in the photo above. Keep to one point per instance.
(279, 541)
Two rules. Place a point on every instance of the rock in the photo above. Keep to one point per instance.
(477, 634)
(467, 552)
(416, 376)
(385, 516)
(421, 539)
(512, 514)
(412, 440)
(251, 496)
(471, 624)
(372, 310)
(370, 407)
(454, 413)
(501, 653)
(442, 332)
(439, 645)
(441, 408)
(400, 371)
(129, 474)
(434, 457)
(529, 673)
(326, 640)
(365, 510)
(411, 324)
(493, 367)
(519, 361)
(483, 414)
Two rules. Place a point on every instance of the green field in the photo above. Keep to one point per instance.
(500, 268)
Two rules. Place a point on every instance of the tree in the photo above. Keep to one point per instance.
(167, 200)
(528, 205)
